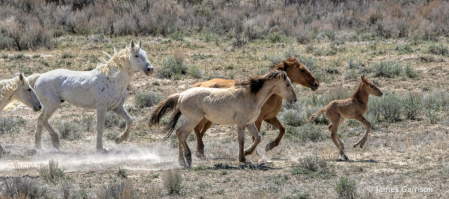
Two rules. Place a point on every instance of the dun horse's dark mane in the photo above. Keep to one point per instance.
(256, 82)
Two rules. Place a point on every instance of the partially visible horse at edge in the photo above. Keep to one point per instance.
(18, 89)
(240, 104)
(297, 72)
(352, 108)
(103, 89)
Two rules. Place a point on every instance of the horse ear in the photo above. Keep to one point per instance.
(132, 45)
(21, 77)
(140, 44)
(364, 78)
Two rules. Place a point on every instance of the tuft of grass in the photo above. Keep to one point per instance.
(147, 99)
(410, 72)
(23, 187)
(346, 188)
(172, 67)
(70, 130)
(195, 72)
(122, 173)
(438, 49)
(314, 167)
(277, 37)
(113, 120)
(293, 118)
(388, 69)
(310, 132)
(67, 55)
(118, 190)
(173, 181)
(51, 173)
(404, 49)
(36, 55)
(412, 106)
(388, 106)
(11, 124)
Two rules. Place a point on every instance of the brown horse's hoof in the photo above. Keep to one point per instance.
(200, 155)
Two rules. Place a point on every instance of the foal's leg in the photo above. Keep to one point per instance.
(334, 128)
(275, 122)
(42, 121)
(200, 130)
(255, 133)
(183, 133)
(101, 116)
(367, 125)
(120, 111)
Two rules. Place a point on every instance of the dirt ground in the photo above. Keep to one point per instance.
(398, 159)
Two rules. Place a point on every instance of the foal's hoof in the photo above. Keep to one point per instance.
(355, 145)
(345, 157)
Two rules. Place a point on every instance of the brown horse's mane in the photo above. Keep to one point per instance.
(256, 82)
(284, 66)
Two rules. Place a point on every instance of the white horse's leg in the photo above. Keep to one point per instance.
(255, 133)
(42, 121)
(101, 116)
(1, 151)
(120, 111)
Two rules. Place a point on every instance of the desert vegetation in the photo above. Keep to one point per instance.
(402, 46)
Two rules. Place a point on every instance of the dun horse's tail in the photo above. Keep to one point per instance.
(172, 124)
(14, 103)
(163, 108)
(316, 114)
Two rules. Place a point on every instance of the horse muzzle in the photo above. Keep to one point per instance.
(314, 86)
(149, 70)
(293, 100)
(37, 108)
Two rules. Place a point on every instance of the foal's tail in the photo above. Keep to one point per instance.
(14, 103)
(163, 108)
(316, 114)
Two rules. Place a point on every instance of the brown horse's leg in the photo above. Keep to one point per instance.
(275, 122)
(200, 130)
(367, 125)
(334, 128)
(241, 139)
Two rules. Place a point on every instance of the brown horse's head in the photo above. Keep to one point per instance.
(370, 87)
(298, 73)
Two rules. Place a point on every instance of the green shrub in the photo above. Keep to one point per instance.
(178, 36)
(147, 99)
(346, 188)
(11, 124)
(433, 116)
(23, 187)
(113, 120)
(355, 64)
(277, 37)
(173, 181)
(293, 117)
(438, 49)
(310, 132)
(52, 172)
(389, 106)
(387, 69)
(314, 167)
(404, 49)
(171, 67)
(195, 72)
(412, 106)
(409, 72)
(118, 190)
(70, 130)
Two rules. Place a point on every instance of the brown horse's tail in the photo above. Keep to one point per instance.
(172, 123)
(163, 108)
(316, 114)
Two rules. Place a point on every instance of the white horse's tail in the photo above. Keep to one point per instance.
(14, 103)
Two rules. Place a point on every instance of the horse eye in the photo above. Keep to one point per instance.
(29, 89)
(288, 85)
(137, 55)
(372, 86)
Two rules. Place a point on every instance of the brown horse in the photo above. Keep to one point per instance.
(297, 73)
(352, 108)
(240, 104)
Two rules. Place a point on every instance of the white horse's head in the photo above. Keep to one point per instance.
(25, 94)
(139, 60)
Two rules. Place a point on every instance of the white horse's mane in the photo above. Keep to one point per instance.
(117, 60)
(8, 85)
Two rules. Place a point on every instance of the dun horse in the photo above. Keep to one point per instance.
(353, 108)
(240, 104)
(103, 89)
(297, 73)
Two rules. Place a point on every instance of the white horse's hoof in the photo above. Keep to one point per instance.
(104, 150)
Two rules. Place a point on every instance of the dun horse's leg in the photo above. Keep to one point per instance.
(275, 122)
(183, 133)
(200, 130)
(181, 160)
(367, 125)
(101, 115)
(120, 111)
(241, 140)
(255, 133)
(42, 121)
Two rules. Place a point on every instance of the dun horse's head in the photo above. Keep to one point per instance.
(26, 94)
(298, 73)
(371, 88)
(139, 60)
(284, 88)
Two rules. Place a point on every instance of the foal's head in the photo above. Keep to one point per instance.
(298, 73)
(139, 60)
(370, 87)
(25, 94)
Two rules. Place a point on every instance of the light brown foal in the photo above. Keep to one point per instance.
(297, 72)
(352, 108)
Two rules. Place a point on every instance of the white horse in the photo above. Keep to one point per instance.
(17, 89)
(103, 89)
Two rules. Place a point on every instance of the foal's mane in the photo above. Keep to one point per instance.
(8, 85)
(117, 60)
(256, 82)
